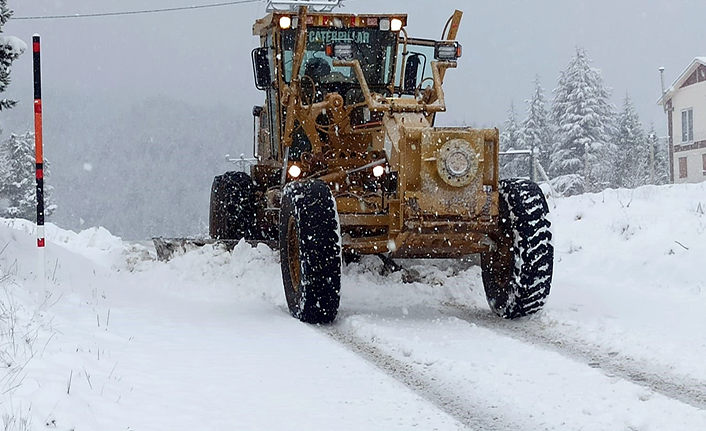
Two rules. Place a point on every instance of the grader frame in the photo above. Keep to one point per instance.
(417, 208)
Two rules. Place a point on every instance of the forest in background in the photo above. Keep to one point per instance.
(146, 171)
(581, 140)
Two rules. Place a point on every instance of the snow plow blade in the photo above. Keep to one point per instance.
(167, 248)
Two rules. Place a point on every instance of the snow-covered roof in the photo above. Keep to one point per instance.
(669, 92)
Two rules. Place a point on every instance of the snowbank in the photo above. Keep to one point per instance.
(114, 339)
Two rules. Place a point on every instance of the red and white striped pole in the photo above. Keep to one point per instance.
(39, 149)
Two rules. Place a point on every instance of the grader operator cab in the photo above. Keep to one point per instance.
(349, 162)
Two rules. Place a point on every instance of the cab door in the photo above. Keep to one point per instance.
(414, 66)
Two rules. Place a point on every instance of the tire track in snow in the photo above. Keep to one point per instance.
(474, 417)
(678, 387)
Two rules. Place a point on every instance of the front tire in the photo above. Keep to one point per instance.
(310, 251)
(233, 209)
(517, 275)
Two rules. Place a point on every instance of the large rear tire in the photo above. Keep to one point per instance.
(517, 275)
(310, 251)
(233, 208)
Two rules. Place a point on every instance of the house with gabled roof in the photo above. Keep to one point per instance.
(685, 104)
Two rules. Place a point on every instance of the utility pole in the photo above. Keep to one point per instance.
(668, 111)
(661, 78)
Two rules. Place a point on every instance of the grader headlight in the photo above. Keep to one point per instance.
(387, 24)
(447, 51)
(457, 163)
(378, 171)
(295, 171)
(396, 24)
(285, 22)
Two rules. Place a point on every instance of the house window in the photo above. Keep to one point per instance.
(687, 125)
(682, 167)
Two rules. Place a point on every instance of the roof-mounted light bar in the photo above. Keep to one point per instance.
(292, 5)
(287, 20)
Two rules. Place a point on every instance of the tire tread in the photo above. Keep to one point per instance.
(527, 285)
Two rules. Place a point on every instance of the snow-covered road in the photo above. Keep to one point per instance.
(204, 341)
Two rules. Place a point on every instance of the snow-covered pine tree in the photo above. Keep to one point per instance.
(581, 160)
(536, 128)
(661, 156)
(17, 161)
(18, 193)
(511, 139)
(10, 50)
(632, 157)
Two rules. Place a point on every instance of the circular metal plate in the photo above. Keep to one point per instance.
(457, 163)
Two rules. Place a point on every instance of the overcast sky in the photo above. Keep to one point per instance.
(203, 56)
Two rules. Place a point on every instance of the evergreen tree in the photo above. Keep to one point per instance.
(10, 50)
(632, 167)
(581, 160)
(660, 156)
(536, 128)
(511, 139)
(17, 159)
(18, 193)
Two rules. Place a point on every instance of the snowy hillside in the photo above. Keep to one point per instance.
(114, 340)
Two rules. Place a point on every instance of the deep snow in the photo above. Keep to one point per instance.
(116, 340)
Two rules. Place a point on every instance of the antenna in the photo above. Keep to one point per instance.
(292, 5)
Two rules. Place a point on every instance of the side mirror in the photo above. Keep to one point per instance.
(261, 69)
(411, 70)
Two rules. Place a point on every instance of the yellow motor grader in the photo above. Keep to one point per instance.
(348, 162)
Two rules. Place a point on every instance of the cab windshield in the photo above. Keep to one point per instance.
(373, 48)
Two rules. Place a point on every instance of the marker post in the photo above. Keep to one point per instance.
(39, 151)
